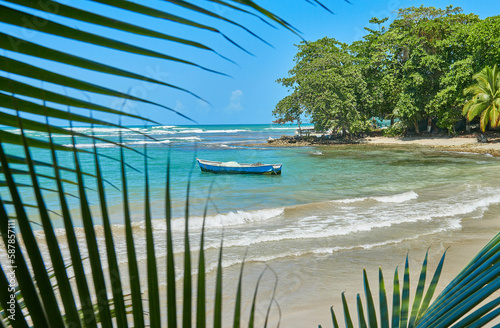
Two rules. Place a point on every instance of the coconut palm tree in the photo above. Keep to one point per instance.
(485, 98)
(52, 290)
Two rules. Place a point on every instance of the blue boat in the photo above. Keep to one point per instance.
(239, 168)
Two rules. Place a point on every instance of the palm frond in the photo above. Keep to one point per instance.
(396, 301)
(485, 97)
(462, 303)
(133, 270)
(384, 311)
(370, 305)
(466, 301)
(120, 313)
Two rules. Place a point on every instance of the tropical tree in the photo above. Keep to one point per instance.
(289, 110)
(373, 56)
(427, 56)
(475, 41)
(485, 98)
(330, 87)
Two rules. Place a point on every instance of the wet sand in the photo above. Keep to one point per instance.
(343, 272)
(309, 306)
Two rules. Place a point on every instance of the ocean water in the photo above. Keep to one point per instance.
(327, 202)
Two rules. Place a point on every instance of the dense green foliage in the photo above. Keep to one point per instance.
(328, 85)
(415, 71)
(486, 98)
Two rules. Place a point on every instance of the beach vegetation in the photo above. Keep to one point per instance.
(485, 100)
(414, 69)
(289, 110)
(328, 86)
(397, 129)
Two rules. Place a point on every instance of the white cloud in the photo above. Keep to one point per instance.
(179, 106)
(235, 102)
(202, 103)
(203, 107)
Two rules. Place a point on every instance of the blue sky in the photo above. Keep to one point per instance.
(250, 93)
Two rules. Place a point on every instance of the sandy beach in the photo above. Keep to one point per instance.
(345, 269)
(464, 144)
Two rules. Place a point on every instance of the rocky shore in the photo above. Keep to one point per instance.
(473, 143)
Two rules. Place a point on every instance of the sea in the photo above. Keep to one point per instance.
(298, 229)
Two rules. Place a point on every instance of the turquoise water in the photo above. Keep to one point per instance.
(328, 200)
(354, 174)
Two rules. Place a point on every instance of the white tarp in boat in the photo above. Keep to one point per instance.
(231, 164)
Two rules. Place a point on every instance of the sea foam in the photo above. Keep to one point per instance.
(397, 198)
(219, 220)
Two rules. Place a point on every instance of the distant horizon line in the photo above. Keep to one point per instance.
(172, 125)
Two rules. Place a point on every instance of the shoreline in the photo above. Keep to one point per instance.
(346, 274)
(342, 272)
(467, 143)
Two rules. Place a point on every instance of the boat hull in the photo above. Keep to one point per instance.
(220, 167)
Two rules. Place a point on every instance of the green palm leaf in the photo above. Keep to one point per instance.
(187, 290)
(86, 305)
(17, 17)
(384, 312)
(218, 292)
(20, 68)
(432, 288)
(396, 301)
(170, 270)
(133, 269)
(485, 94)
(66, 292)
(93, 249)
(254, 300)
(12, 43)
(89, 17)
(347, 315)
(405, 298)
(361, 313)
(50, 305)
(19, 88)
(460, 304)
(201, 315)
(419, 293)
(120, 313)
(153, 287)
(7, 303)
(334, 318)
(370, 305)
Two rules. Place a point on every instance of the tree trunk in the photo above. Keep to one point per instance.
(429, 124)
(392, 121)
(467, 125)
(417, 130)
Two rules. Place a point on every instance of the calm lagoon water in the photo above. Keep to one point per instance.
(328, 200)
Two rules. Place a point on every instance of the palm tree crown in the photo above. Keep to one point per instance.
(486, 98)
